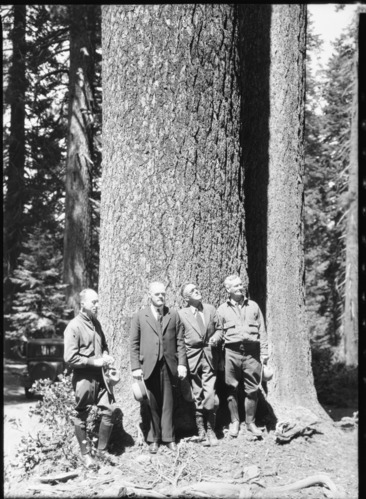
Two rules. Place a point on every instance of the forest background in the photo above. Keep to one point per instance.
(50, 253)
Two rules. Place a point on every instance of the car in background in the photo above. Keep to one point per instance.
(45, 359)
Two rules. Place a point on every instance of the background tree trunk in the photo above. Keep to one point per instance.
(172, 184)
(292, 385)
(77, 237)
(15, 189)
(350, 318)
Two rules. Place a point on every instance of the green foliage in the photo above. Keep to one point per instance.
(39, 306)
(336, 384)
(54, 446)
(327, 137)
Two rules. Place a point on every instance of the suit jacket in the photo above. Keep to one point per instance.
(144, 341)
(196, 343)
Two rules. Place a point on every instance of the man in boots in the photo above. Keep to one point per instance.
(200, 339)
(241, 325)
(86, 352)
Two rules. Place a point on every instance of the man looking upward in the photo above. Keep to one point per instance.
(200, 340)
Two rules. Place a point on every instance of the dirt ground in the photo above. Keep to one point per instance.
(135, 472)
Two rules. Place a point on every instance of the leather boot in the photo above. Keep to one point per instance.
(200, 427)
(234, 416)
(211, 423)
(250, 410)
(86, 458)
(105, 430)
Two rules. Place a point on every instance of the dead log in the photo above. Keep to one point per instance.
(58, 477)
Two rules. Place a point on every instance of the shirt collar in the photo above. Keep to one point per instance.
(232, 303)
(194, 309)
(157, 310)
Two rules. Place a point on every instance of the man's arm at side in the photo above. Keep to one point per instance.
(135, 337)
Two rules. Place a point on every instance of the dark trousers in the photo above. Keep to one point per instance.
(160, 392)
(90, 390)
(203, 380)
(242, 365)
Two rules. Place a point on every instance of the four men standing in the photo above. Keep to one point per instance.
(161, 342)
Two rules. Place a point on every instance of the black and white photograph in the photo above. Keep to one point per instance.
(181, 250)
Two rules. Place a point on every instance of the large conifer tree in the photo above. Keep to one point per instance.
(178, 109)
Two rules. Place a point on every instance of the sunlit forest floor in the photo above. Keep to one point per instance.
(135, 472)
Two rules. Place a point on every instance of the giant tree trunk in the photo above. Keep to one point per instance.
(77, 236)
(174, 126)
(15, 190)
(350, 319)
(172, 183)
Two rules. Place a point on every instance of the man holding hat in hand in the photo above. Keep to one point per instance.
(86, 352)
(158, 355)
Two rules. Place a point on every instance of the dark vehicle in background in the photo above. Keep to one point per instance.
(45, 359)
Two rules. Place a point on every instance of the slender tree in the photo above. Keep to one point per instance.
(350, 318)
(14, 198)
(77, 236)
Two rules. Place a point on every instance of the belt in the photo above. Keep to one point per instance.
(243, 346)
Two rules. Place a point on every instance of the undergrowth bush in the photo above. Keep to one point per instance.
(335, 382)
(54, 445)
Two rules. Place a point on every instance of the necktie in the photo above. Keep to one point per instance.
(160, 330)
(200, 322)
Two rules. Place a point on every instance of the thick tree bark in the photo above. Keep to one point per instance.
(15, 189)
(172, 204)
(77, 236)
(273, 155)
(172, 184)
(350, 318)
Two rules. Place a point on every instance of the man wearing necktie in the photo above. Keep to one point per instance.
(241, 325)
(158, 355)
(199, 336)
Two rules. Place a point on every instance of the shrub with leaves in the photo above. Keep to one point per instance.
(54, 446)
(40, 304)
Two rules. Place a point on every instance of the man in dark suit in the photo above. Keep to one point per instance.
(200, 340)
(158, 355)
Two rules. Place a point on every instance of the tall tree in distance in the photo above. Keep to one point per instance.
(14, 198)
(78, 233)
(350, 317)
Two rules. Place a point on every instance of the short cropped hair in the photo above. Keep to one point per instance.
(154, 283)
(183, 289)
(83, 293)
(230, 279)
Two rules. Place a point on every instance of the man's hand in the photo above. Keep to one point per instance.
(264, 359)
(212, 342)
(182, 372)
(100, 362)
(108, 358)
(137, 374)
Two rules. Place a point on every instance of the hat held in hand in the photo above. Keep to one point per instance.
(140, 391)
(111, 376)
(267, 373)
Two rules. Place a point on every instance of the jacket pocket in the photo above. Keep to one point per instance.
(228, 325)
